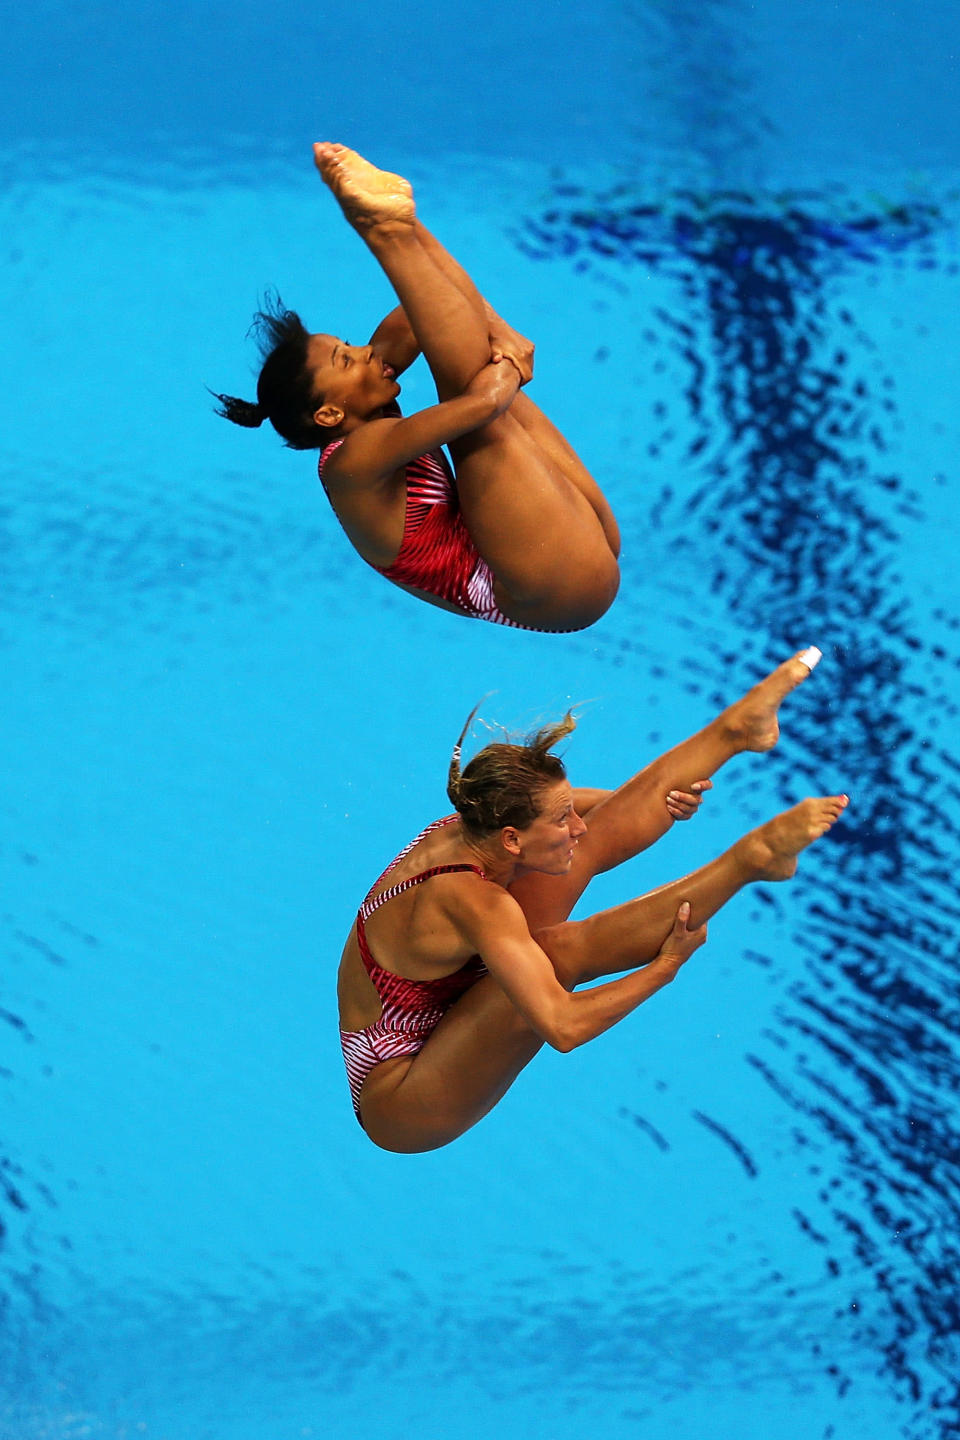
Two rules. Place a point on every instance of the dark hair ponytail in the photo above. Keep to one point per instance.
(241, 412)
(285, 390)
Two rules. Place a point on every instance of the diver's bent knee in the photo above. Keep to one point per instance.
(406, 1146)
(400, 1139)
(547, 606)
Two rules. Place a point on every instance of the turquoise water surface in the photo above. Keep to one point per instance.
(732, 232)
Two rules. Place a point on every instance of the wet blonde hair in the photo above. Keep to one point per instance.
(503, 783)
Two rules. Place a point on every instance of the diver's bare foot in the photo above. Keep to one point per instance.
(770, 852)
(752, 723)
(367, 196)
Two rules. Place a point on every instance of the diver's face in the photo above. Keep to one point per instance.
(548, 844)
(352, 379)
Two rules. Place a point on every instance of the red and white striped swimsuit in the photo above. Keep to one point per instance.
(411, 1008)
(437, 553)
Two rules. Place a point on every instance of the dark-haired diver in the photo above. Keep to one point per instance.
(463, 961)
(518, 531)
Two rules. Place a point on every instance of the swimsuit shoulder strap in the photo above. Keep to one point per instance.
(325, 454)
(427, 830)
(328, 450)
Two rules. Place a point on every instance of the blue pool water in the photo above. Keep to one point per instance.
(733, 232)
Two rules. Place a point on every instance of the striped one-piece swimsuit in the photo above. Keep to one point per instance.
(437, 554)
(411, 1008)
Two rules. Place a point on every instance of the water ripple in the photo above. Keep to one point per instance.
(793, 420)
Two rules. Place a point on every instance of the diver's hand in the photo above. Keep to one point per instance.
(497, 383)
(684, 804)
(681, 943)
(508, 344)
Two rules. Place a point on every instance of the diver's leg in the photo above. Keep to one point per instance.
(447, 317)
(562, 457)
(557, 450)
(467, 1065)
(630, 935)
(542, 538)
(633, 817)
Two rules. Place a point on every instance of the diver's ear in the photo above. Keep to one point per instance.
(510, 840)
(328, 416)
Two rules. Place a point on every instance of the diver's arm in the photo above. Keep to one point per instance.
(394, 341)
(374, 452)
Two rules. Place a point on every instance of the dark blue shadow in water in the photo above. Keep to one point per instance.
(794, 522)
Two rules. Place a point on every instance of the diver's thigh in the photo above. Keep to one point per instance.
(469, 1062)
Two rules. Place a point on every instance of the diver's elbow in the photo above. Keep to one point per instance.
(564, 1035)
